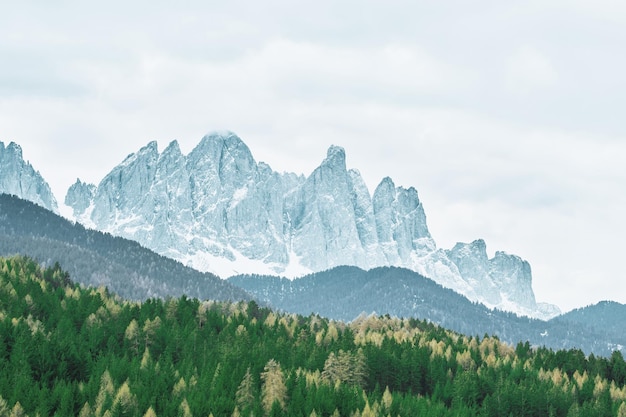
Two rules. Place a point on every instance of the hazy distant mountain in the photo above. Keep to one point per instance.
(344, 293)
(218, 210)
(605, 316)
(19, 178)
(95, 258)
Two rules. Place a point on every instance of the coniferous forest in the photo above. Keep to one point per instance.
(67, 350)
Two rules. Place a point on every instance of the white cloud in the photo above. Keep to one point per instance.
(528, 70)
(364, 71)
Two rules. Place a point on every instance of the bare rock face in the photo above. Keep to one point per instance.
(505, 281)
(20, 179)
(219, 210)
(79, 197)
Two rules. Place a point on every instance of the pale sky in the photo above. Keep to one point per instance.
(506, 116)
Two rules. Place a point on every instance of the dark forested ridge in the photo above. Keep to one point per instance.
(96, 258)
(344, 293)
(606, 316)
(67, 350)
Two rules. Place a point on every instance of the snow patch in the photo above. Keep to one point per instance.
(66, 212)
(238, 196)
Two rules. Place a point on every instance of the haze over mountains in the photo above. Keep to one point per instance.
(217, 209)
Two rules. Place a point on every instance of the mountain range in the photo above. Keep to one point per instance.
(219, 210)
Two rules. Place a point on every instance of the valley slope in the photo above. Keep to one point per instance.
(95, 258)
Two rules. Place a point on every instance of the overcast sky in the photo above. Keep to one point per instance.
(507, 117)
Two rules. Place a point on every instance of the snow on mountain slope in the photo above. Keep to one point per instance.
(19, 178)
(219, 210)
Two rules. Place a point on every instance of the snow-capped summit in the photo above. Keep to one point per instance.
(219, 210)
(19, 178)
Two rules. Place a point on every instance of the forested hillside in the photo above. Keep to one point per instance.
(67, 350)
(96, 258)
(606, 316)
(343, 293)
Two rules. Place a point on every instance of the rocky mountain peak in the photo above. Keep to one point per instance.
(476, 250)
(171, 159)
(385, 186)
(223, 157)
(19, 178)
(336, 157)
(15, 150)
(146, 153)
(214, 143)
(151, 148)
(172, 149)
(79, 196)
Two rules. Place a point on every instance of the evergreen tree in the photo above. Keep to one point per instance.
(132, 335)
(4, 408)
(273, 389)
(245, 395)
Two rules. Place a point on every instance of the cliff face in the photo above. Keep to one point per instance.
(19, 178)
